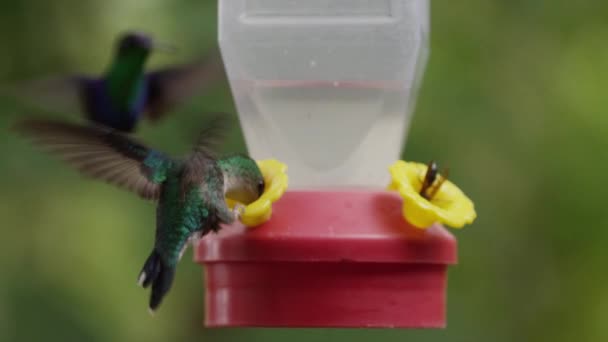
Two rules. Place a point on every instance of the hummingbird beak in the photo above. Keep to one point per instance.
(164, 47)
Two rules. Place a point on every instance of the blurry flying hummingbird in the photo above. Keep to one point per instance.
(125, 93)
(190, 192)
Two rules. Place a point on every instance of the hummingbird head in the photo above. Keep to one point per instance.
(243, 180)
(135, 43)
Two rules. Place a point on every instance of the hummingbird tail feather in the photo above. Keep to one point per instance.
(150, 270)
(159, 275)
(161, 286)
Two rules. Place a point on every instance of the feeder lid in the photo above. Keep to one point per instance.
(332, 226)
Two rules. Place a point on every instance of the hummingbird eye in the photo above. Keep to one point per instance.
(261, 186)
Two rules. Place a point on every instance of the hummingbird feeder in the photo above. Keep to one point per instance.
(327, 87)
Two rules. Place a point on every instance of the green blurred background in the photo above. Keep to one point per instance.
(513, 100)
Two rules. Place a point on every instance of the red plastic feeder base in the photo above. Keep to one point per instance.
(328, 259)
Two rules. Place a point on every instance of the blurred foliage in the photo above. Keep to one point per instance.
(513, 101)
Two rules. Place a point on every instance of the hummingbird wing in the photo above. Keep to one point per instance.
(58, 93)
(101, 153)
(211, 135)
(172, 86)
(200, 164)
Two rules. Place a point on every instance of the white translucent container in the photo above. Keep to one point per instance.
(326, 86)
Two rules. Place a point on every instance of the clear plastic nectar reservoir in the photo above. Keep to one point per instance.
(326, 86)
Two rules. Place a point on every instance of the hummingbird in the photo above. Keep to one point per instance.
(125, 93)
(190, 191)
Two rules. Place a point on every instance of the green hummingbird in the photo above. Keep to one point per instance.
(190, 191)
(125, 93)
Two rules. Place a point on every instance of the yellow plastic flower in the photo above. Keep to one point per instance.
(260, 210)
(448, 205)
